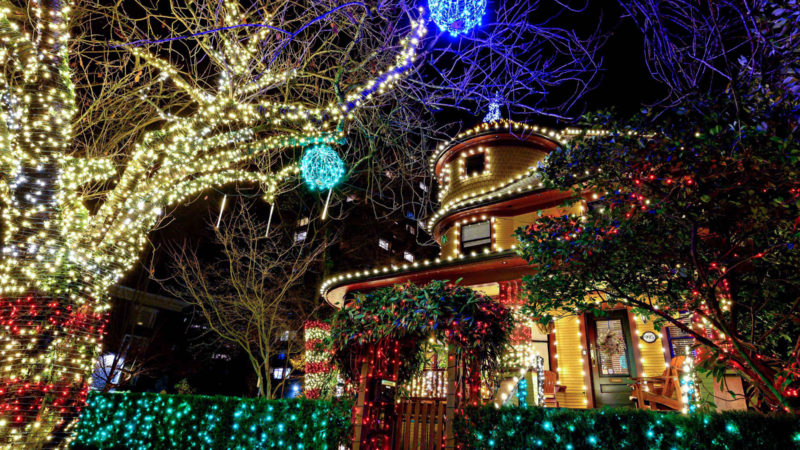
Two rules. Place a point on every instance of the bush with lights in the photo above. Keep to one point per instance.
(146, 420)
(531, 428)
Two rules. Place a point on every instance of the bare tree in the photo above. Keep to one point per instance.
(252, 294)
(697, 47)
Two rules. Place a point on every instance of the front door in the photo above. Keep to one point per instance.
(611, 353)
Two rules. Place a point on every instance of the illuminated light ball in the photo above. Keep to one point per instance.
(321, 167)
(457, 16)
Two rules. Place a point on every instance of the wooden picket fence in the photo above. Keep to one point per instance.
(420, 424)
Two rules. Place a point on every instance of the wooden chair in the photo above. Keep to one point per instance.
(660, 393)
(551, 387)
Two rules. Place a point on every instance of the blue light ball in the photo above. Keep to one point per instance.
(321, 167)
(457, 16)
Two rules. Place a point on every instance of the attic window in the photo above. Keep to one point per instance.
(384, 244)
(475, 164)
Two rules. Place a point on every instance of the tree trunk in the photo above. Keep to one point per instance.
(54, 341)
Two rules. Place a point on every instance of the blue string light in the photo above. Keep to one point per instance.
(522, 393)
(457, 16)
(321, 167)
(494, 109)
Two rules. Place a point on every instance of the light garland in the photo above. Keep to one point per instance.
(688, 381)
(319, 370)
(457, 16)
(59, 257)
(494, 109)
(503, 125)
(329, 283)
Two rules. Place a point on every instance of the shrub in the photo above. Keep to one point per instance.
(618, 428)
(145, 420)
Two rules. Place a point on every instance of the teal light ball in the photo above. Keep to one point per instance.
(321, 167)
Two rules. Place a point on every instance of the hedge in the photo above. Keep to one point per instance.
(156, 421)
(619, 428)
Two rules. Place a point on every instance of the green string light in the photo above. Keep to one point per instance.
(146, 420)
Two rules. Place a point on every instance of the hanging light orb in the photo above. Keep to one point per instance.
(321, 166)
(457, 16)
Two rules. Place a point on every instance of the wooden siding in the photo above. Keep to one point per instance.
(505, 163)
(570, 363)
(504, 227)
(451, 244)
(653, 361)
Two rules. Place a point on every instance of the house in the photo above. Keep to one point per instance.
(487, 188)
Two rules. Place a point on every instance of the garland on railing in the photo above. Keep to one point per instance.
(478, 326)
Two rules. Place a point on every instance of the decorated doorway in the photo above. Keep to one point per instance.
(611, 358)
(378, 341)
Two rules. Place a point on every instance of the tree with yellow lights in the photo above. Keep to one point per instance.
(60, 255)
(102, 132)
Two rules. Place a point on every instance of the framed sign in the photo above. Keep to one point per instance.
(649, 337)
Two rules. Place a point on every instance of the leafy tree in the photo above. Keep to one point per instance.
(692, 209)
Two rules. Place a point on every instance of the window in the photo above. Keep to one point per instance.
(411, 229)
(541, 345)
(384, 244)
(680, 342)
(476, 236)
(146, 317)
(300, 236)
(351, 198)
(475, 164)
(285, 335)
(612, 350)
(302, 222)
(134, 344)
(408, 256)
(221, 357)
(280, 373)
(423, 187)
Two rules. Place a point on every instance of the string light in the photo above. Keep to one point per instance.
(457, 16)
(146, 420)
(320, 375)
(321, 167)
(494, 108)
(65, 255)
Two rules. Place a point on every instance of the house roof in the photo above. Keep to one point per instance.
(471, 269)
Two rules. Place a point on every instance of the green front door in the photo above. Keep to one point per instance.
(611, 353)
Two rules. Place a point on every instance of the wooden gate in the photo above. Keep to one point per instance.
(420, 424)
(389, 423)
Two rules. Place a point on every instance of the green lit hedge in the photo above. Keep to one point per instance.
(144, 420)
(556, 428)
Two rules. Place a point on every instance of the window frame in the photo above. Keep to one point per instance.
(478, 247)
(484, 152)
(477, 170)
